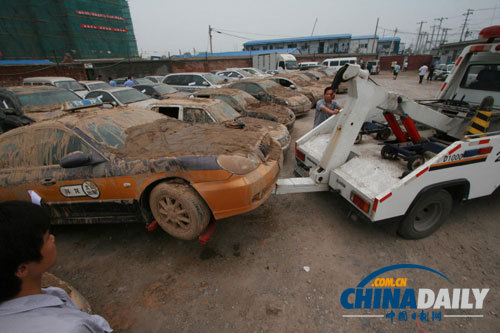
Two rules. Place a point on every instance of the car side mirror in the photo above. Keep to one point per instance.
(292, 86)
(205, 83)
(75, 159)
(114, 103)
(261, 95)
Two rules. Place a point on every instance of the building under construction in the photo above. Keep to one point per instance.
(53, 29)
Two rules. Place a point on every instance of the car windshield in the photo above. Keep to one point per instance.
(71, 85)
(222, 112)
(48, 98)
(164, 89)
(244, 98)
(143, 81)
(292, 65)
(110, 131)
(98, 85)
(268, 84)
(129, 96)
(214, 79)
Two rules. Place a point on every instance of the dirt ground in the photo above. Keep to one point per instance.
(251, 276)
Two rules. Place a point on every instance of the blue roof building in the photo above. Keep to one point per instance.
(306, 45)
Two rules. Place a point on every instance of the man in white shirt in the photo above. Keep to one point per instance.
(421, 72)
(27, 250)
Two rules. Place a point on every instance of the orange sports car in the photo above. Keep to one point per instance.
(126, 165)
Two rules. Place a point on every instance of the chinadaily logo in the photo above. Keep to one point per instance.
(394, 299)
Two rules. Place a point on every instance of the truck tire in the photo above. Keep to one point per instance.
(415, 161)
(179, 210)
(388, 153)
(426, 215)
(383, 134)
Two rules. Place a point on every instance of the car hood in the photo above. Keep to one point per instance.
(170, 138)
(276, 130)
(281, 112)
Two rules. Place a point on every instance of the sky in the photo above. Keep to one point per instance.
(181, 26)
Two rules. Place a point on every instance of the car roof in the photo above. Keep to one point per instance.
(48, 79)
(91, 81)
(199, 102)
(114, 89)
(189, 73)
(220, 91)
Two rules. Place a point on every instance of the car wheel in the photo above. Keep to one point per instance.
(426, 215)
(179, 210)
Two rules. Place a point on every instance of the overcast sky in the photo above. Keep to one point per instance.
(169, 26)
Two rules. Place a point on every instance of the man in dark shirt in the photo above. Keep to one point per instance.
(326, 107)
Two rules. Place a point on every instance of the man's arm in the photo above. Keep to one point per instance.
(330, 111)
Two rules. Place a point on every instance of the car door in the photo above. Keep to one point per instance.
(15, 182)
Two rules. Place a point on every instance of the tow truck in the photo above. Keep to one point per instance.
(416, 177)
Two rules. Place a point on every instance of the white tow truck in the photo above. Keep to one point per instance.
(457, 160)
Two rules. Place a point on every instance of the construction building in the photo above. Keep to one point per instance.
(58, 29)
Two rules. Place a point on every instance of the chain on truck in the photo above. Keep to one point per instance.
(442, 151)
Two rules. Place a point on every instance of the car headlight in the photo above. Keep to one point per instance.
(238, 165)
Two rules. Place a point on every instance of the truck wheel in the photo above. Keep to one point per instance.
(388, 153)
(415, 161)
(179, 210)
(383, 134)
(426, 215)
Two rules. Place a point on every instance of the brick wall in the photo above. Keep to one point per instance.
(414, 62)
(12, 75)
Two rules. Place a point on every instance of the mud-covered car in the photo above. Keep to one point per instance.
(94, 85)
(160, 90)
(37, 102)
(249, 106)
(191, 82)
(207, 110)
(127, 165)
(314, 93)
(122, 96)
(56, 81)
(270, 91)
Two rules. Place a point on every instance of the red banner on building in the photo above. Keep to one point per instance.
(99, 27)
(114, 17)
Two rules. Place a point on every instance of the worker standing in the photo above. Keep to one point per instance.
(421, 72)
(326, 107)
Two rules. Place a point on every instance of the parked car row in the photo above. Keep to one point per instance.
(152, 153)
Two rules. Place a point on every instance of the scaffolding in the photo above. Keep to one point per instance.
(48, 29)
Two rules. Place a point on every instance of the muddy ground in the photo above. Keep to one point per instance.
(251, 276)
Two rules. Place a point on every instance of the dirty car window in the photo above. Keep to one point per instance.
(48, 98)
(71, 85)
(222, 112)
(110, 131)
(129, 96)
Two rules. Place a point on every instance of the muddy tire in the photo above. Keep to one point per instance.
(426, 215)
(179, 210)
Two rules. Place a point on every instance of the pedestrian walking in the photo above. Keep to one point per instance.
(431, 73)
(405, 65)
(112, 82)
(421, 72)
(395, 70)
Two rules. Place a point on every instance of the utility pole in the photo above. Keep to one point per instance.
(419, 37)
(445, 33)
(424, 49)
(210, 36)
(314, 26)
(392, 41)
(432, 36)
(375, 36)
(439, 28)
(469, 11)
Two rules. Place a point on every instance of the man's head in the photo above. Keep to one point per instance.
(26, 247)
(328, 94)
(110, 78)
